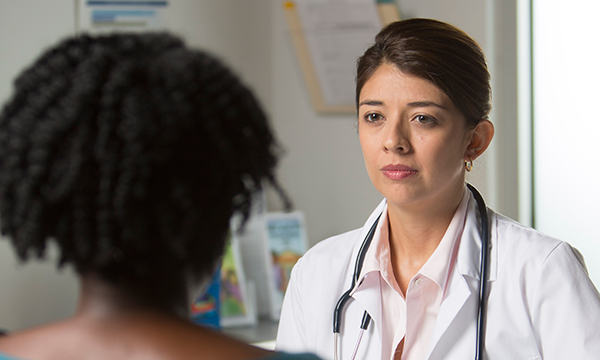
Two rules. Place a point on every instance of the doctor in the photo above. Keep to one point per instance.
(423, 99)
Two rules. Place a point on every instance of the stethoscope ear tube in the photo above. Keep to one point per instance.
(360, 259)
(483, 271)
(338, 310)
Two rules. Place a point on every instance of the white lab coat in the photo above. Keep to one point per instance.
(542, 304)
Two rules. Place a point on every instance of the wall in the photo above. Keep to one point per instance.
(34, 293)
(322, 169)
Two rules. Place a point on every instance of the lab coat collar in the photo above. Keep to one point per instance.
(363, 234)
(469, 253)
(369, 295)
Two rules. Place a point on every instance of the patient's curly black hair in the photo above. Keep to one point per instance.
(132, 152)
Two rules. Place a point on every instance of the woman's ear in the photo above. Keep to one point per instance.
(481, 137)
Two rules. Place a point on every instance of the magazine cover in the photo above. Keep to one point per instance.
(255, 257)
(236, 307)
(205, 310)
(287, 242)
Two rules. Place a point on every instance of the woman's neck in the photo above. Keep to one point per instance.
(102, 299)
(415, 233)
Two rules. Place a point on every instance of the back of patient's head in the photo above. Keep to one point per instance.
(131, 152)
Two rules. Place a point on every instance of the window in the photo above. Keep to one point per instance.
(566, 123)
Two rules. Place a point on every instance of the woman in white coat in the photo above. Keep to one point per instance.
(423, 99)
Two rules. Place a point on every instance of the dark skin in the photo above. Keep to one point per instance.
(112, 324)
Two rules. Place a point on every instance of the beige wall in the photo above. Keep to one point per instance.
(34, 293)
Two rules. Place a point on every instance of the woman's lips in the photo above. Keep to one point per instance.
(398, 172)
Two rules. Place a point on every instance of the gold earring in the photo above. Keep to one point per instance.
(469, 164)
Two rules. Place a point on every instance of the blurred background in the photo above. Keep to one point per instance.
(540, 170)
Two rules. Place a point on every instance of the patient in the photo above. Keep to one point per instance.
(131, 153)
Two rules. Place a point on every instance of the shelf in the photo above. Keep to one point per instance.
(263, 334)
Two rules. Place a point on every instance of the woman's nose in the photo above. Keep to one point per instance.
(397, 137)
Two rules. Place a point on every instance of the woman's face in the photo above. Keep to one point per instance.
(414, 140)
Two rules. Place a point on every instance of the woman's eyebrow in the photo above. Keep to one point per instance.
(411, 104)
(371, 103)
(426, 104)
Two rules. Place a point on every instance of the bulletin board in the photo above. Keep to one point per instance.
(331, 87)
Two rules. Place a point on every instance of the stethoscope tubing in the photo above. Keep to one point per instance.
(346, 296)
(483, 271)
(482, 306)
(357, 268)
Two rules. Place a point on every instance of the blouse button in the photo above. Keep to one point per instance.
(418, 282)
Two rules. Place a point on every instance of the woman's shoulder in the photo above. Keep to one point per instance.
(330, 256)
(342, 245)
(278, 356)
(25, 344)
(512, 230)
(284, 356)
(331, 252)
(335, 243)
(148, 335)
(7, 357)
(534, 246)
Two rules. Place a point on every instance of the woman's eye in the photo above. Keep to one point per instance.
(424, 119)
(373, 117)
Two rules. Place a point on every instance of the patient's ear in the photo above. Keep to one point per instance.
(481, 137)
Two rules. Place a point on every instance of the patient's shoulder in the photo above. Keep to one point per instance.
(284, 356)
(128, 339)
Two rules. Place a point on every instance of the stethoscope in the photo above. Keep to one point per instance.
(366, 319)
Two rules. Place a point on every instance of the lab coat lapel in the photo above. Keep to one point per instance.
(363, 233)
(369, 297)
(457, 293)
(463, 283)
(369, 294)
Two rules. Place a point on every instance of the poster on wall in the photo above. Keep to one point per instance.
(95, 16)
(328, 37)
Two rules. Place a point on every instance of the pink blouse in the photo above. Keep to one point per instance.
(412, 317)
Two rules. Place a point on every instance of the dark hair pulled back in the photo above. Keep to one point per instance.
(437, 52)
